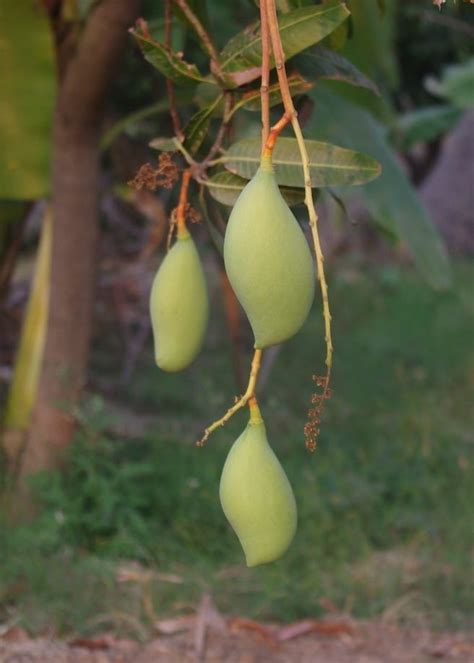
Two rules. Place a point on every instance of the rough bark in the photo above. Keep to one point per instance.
(75, 177)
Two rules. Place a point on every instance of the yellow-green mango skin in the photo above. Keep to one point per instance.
(179, 307)
(268, 261)
(257, 498)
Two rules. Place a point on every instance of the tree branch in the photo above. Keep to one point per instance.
(228, 102)
(313, 217)
(203, 36)
(169, 83)
(249, 396)
(265, 84)
(183, 201)
(83, 92)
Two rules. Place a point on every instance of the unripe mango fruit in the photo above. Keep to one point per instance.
(179, 306)
(268, 260)
(256, 496)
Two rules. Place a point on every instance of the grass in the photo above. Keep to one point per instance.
(384, 505)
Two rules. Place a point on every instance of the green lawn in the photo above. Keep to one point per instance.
(385, 504)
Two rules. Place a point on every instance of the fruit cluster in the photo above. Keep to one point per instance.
(271, 270)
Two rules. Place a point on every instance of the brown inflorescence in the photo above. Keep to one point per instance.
(152, 178)
(311, 430)
(192, 214)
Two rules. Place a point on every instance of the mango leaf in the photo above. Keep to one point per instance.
(200, 10)
(23, 388)
(341, 204)
(284, 6)
(330, 165)
(391, 199)
(28, 88)
(168, 63)
(426, 124)
(197, 127)
(338, 38)
(206, 94)
(209, 215)
(225, 187)
(319, 62)
(130, 121)
(241, 58)
(250, 100)
(371, 47)
(165, 144)
(456, 84)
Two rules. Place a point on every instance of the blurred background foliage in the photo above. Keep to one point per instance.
(384, 505)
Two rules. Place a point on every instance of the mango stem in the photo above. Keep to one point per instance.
(290, 110)
(182, 231)
(274, 132)
(255, 414)
(241, 402)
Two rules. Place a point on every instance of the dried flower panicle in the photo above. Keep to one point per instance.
(311, 430)
(152, 178)
(192, 214)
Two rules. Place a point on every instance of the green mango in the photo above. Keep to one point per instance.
(179, 306)
(268, 261)
(256, 496)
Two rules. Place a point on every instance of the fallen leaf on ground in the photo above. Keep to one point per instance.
(15, 634)
(297, 629)
(169, 577)
(208, 617)
(450, 648)
(265, 633)
(175, 624)
(133, 573)
(100, 642)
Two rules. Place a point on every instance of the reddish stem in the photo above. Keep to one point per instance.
(265, 83)
(275, 131)
(183, 201)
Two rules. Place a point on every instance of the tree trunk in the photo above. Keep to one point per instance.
(75, 175)
(447, 191)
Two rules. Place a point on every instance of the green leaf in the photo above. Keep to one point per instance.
(391, 199)
(206, 94)
(250, 100)
(426, 124)
(284, 6)
(28, 89)
(320, 62)
(330, 165)
(168, 63)
(200, 10)
(371, 47)
(241, 58)
(198, 126)
(456, 84)
(209, 213)
(341, 204)
(165, 144)
(130, 120)
(225, 187)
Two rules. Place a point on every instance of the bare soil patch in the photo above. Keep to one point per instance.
(209, 638)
